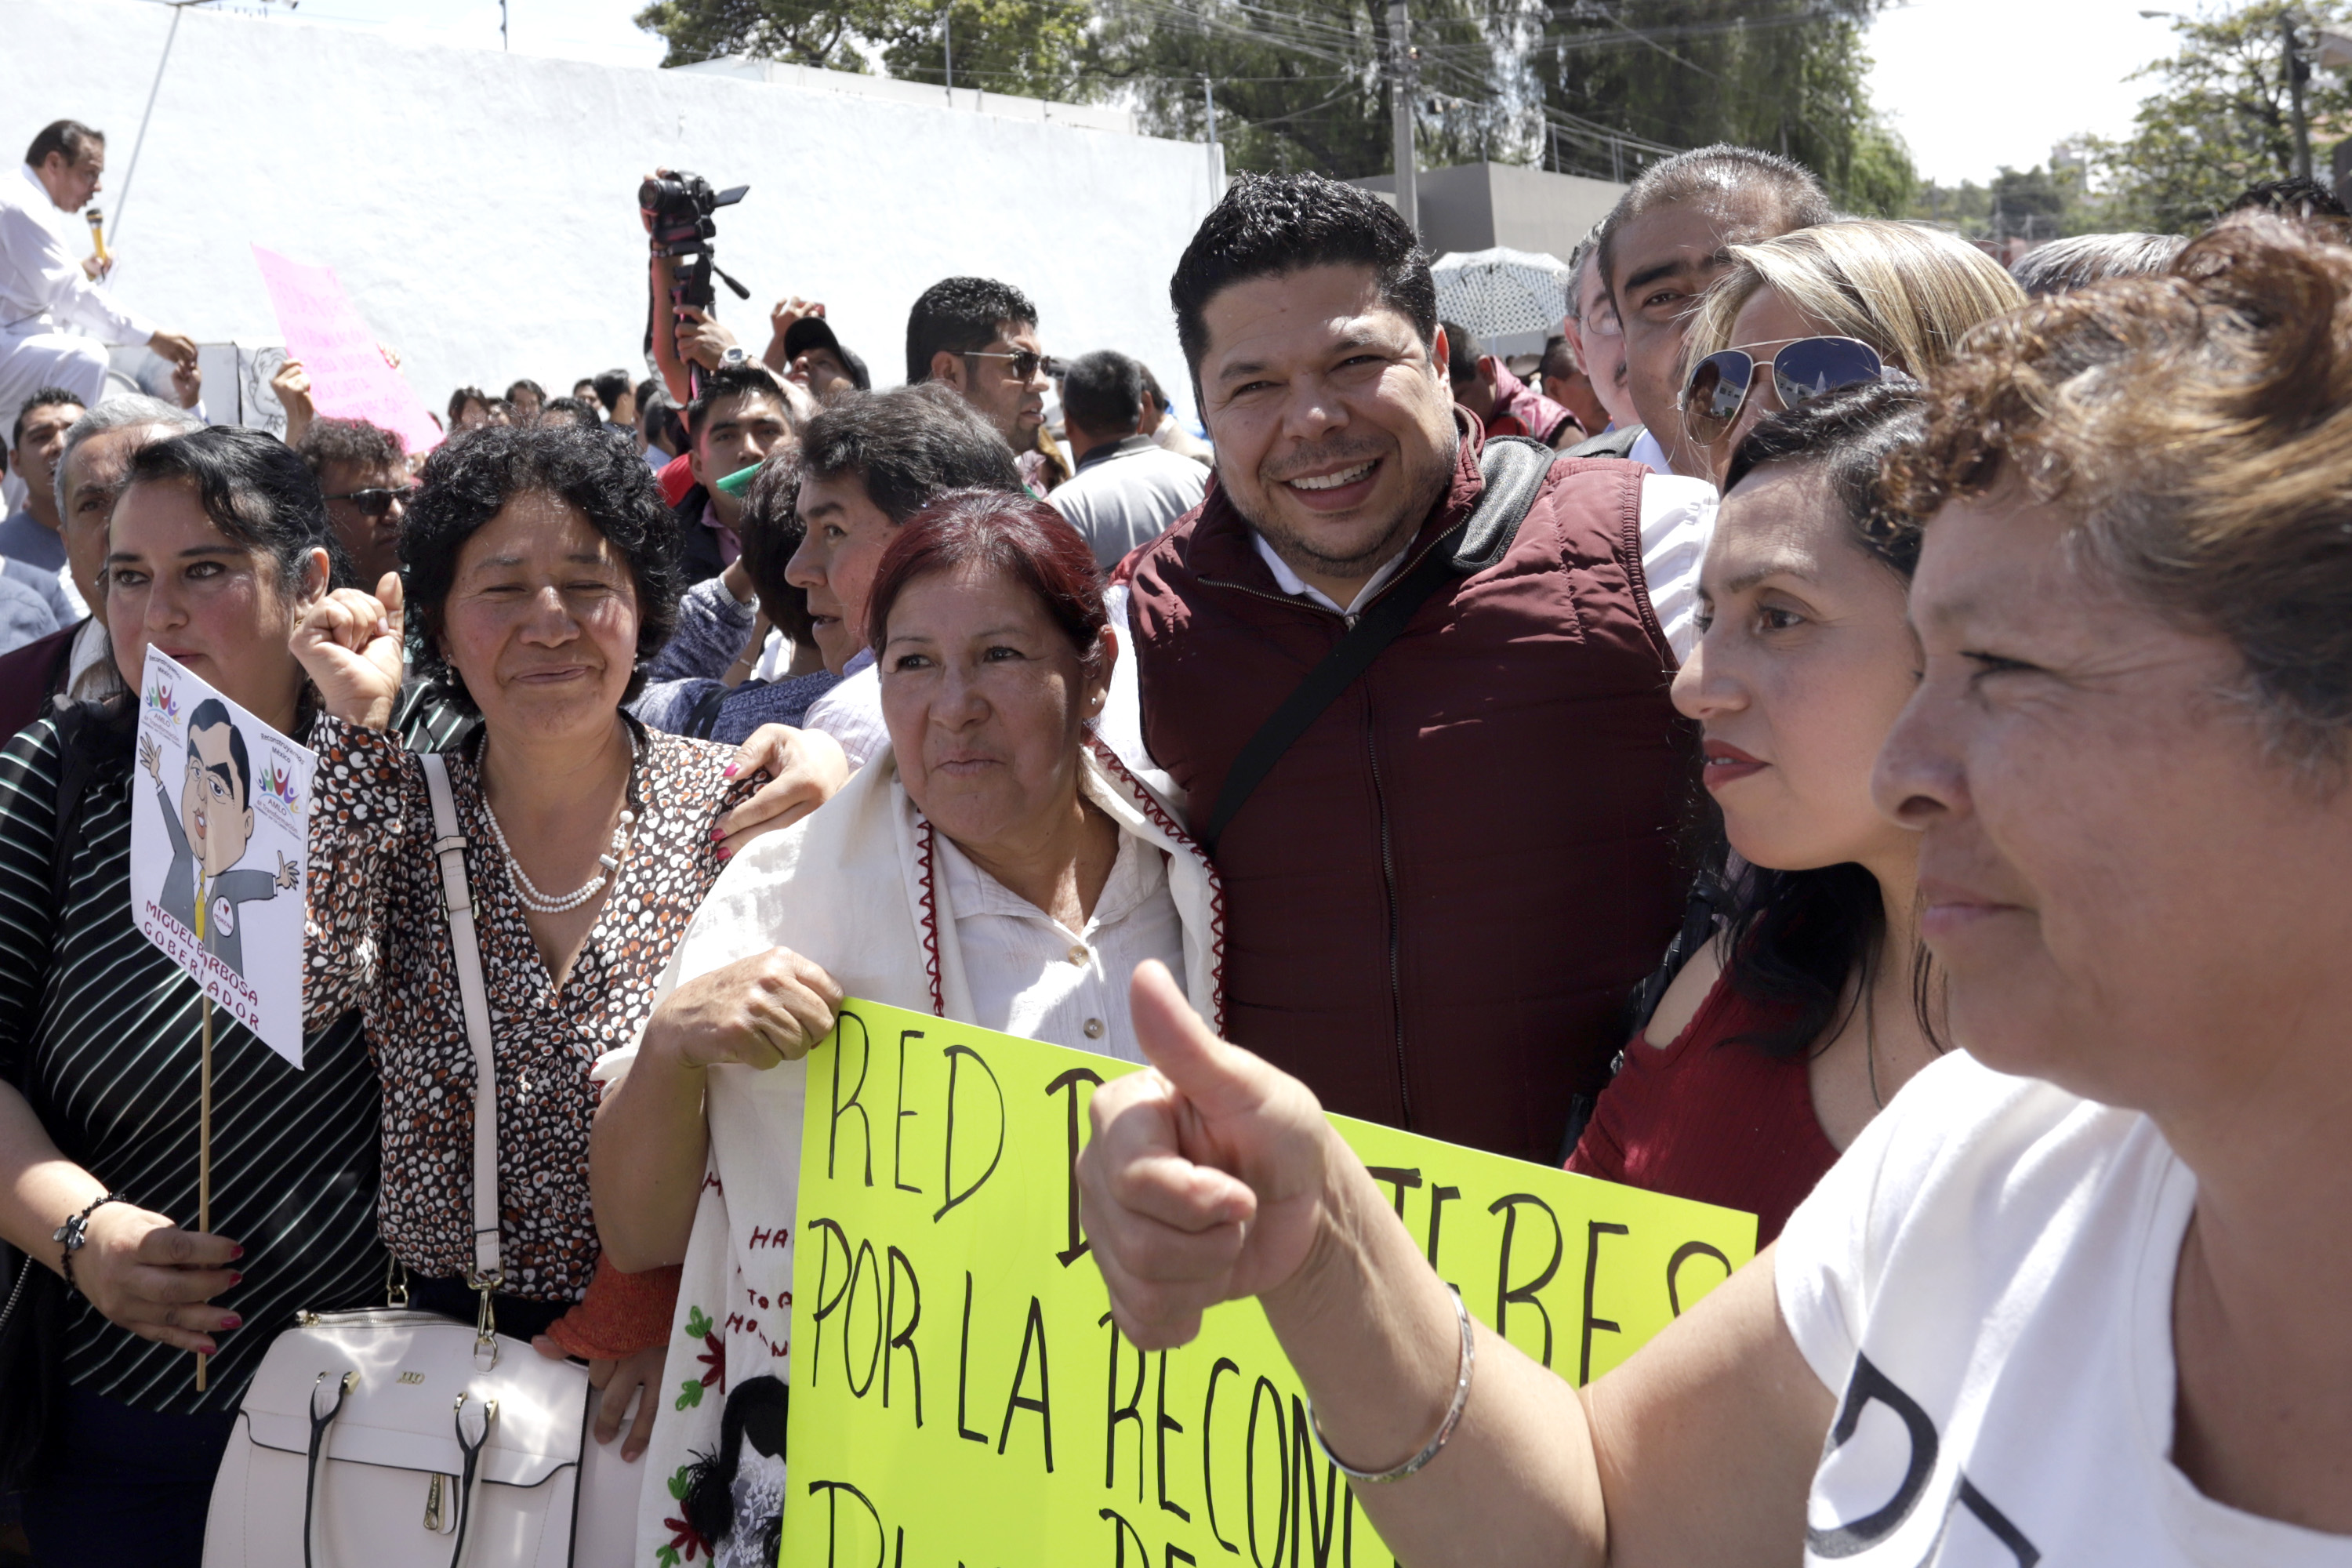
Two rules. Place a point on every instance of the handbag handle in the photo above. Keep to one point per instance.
(321, 1422)
(449, 847)
(318, 1424)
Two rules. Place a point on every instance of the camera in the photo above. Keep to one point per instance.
(678, 207)
(678, 204)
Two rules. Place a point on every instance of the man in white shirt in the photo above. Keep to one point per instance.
(1127, 488)
(55, 318)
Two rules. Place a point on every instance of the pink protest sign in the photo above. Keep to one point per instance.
(349, 377)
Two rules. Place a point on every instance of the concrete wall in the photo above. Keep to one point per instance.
(481, 207)
(1477, 206)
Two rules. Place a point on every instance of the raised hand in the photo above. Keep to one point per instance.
(1206, 1177)
(293, 385)
(350, 645)
(151, 757)
(289, 871)
(759, 1011)
(702, 338)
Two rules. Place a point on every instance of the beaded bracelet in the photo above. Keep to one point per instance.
(1444, 1427)
(74, 1235)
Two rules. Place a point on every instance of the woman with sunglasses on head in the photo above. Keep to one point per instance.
(1785, 1035)
(1828, 306)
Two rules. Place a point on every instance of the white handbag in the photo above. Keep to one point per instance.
(387, 1436)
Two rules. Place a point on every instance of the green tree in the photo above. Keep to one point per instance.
(1575, 85)
(1031, 48)
(2222, 119)
(1302, 84)
(1784, 75)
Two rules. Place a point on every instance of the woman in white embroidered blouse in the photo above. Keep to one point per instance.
(996, 865)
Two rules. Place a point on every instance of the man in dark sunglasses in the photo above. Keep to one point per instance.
(363, 469)
(1668, 238)
(980, 337)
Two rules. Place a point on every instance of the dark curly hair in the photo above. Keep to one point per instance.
(466, 483)
(1268, 225)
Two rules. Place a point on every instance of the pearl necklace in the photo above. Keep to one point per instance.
(527, 892)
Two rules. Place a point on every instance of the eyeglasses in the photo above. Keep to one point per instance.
(377, 502)
(1025, 363)
(1603, 323)
(1801, 371)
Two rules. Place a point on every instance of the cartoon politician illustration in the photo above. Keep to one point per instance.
(210, 830)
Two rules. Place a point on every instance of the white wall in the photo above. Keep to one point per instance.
(481, 207)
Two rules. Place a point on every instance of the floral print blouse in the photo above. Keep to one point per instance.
(379, 940)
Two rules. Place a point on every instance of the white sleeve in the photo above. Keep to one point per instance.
(852, 714)
(1678, 520)
(1121, 723)
(40, 269)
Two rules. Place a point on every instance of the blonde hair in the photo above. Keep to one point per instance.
(1909, 291)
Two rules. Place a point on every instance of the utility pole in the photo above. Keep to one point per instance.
(502, 26)
(2297, 72)
(1403, 78)
(947, 47)
(1209, 99)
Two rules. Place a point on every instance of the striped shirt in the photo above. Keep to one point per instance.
(101, 1034)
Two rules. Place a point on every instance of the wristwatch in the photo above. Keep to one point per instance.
(733, 356)
(74, 1235)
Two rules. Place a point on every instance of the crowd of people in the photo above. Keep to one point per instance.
(1853, 735)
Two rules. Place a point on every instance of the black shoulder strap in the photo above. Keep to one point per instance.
(1514, 468)
(81, 734)
(704, 717)
(1607, 444)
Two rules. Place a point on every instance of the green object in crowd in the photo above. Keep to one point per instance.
(736, 483)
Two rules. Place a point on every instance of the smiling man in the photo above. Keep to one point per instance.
(1441, 892)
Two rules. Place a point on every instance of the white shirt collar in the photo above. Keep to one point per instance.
(1648, 449)
(1298, 587)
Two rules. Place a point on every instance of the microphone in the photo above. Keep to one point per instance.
(98, 235)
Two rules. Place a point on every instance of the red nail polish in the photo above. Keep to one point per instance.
(725, 856)
(730, 770)
(232, 1322)
(237, 1279)
(235, 1252)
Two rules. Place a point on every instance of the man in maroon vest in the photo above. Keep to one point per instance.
(1439, 897)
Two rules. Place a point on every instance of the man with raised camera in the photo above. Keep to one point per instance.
(56, 315)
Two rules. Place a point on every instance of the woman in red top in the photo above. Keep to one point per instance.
(1784, 1037)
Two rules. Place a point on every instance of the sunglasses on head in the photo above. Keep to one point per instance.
(378, 501)
(1801, 371)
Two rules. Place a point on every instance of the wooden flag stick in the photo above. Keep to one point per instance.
(205, 1157)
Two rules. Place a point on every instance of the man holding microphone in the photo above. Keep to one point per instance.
(55, 318)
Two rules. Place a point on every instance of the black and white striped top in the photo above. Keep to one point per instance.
(102, 1034)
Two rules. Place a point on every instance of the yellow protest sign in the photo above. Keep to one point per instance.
(960, 1397)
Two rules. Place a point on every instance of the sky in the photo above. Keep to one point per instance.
(1976, 84)
(1972, 84)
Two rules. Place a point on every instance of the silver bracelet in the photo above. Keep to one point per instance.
(1444, 1427)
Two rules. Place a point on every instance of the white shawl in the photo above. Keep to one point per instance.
(852, 888)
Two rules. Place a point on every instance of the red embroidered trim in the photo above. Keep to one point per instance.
(930, 907)
(1149, 804)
